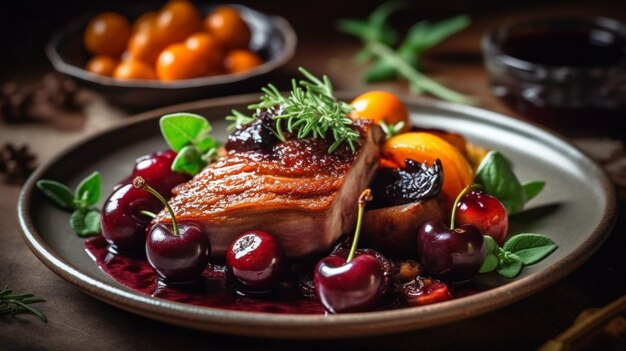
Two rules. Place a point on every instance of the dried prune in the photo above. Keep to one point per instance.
(256, 135)
(399, 186)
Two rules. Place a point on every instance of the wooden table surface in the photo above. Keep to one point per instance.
(77, 320)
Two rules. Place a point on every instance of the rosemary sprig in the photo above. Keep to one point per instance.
(310, 110)
(14, 304)
(389, 63)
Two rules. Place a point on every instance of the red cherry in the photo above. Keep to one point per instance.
(484, 212)
(450, 254)
(181, 257)
(348, 287)
(156, 170)
(123, 226)
(178, 254)
(256, 260)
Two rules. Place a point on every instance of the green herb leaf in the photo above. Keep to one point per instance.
(391, 129)
(181, 129)
(311, 110)
(510, 267)
(380, 71)
(403, 62)
(188, 160)
(532, 189)
(60, 194)
(207, 144)
(85, 223)
(530, 248)
(13, 304)
(490, 244)
(496, 176)
(238, 119)
(88, 191)
(490, 263)
(425, 35)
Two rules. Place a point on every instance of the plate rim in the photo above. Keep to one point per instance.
(293, 326)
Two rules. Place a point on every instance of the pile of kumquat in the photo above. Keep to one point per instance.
(175, 43)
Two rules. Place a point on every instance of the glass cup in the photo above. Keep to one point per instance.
(568, 73)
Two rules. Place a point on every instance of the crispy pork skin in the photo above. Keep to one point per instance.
(295, 190)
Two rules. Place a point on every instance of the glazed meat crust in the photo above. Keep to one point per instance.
(294, 190)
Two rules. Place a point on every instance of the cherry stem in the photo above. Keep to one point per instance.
(456, 202)
(140, 183)
(366, 196)
(147, 214)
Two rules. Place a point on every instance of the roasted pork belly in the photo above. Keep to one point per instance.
(295, 190)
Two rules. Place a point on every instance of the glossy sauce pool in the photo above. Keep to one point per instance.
(213, 289)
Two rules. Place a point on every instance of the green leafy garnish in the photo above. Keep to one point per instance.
(391, 129)
(13, 304)
(311, 110)
(404, 61)
(520, 250)
(495, 175)
(85, 218)
(187, 134)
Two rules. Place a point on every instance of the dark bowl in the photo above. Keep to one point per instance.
(273, 39)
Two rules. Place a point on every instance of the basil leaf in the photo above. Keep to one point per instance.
(181, 129)
(207, 144)
(532, 189)
(490, 244)
(188, 160)
(85, 223)
(510, 267)
(489, 264)
(88, 191)
(60, 194)
(496, 176)
(530, 248)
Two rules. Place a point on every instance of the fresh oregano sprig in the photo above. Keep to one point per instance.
(13, 304)
(404, 61)
(187, 134)
(85, 218)
(310, 110)
(519, 251)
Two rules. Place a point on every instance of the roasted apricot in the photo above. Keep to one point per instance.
(107, 34)
(178, 62)
(238, 61)
(134, 69)
(206, 50)
(145, 45)
(228, 27)
(381, 106)
(177, 20)
(102, 65)
(426, 147)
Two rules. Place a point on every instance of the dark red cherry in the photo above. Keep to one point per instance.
(181, 257)
(123, 226)
(348, 287)
(450, 254)
(484, 212)
(256, 260)
(156, 170)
